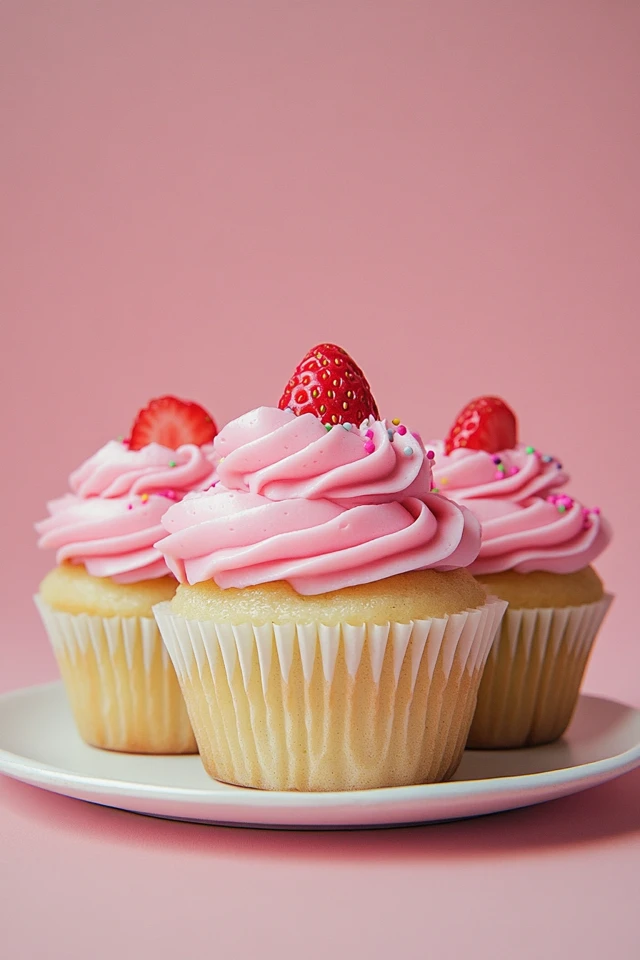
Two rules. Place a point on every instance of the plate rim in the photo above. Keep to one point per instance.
(21, 768)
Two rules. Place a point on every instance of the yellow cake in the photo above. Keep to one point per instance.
(538, 544)
(361, 687)
(97, 603)
(120, 682)
(543, 589)
(324, 633)
(532, 678)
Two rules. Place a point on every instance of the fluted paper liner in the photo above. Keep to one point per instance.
(315, 707)
(532, 677)
(120, 682)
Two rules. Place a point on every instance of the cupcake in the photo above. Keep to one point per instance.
(325, 632)
(538, 545)
(96, 604)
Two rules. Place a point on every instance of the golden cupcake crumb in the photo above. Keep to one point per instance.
(542, 589)
(70, 589)
(418, 595)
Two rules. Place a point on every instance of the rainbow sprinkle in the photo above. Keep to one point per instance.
(561, 501)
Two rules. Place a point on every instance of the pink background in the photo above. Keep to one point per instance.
(193, 195)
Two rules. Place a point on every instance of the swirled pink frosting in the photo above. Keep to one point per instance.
(516, 474)
(111, 519)
(322, 510)
(526, 523)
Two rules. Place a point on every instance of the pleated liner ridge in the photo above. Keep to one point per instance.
(532, 678)
(314, 707)
(120, 682)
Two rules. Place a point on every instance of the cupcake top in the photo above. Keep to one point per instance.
(111, 518)
(514, 490)
(322, 505)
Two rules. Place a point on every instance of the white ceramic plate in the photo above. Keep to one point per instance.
(39, 745)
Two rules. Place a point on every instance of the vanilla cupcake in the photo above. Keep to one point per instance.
(96, 604)
(538, 545)
(324, 633)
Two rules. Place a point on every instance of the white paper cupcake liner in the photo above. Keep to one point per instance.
(316, 707)
(533, 673)
(120, 682)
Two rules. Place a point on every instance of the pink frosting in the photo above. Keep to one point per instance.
(321, 509)
(111, 519)
(526, 523)
(116, 471)
(466, 474)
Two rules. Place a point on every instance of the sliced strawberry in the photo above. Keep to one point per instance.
(329, 384)
(485, 424)
(172, 422)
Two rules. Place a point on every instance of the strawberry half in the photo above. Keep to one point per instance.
(329, 384)
(485, 424)
(172, 422)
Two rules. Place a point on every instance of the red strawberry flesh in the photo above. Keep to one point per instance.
(486, 423)
(172, 423)
(329, 384)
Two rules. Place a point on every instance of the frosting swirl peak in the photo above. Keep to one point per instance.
(323, 509)
(526, 523)
(116, 471)
(111, 519)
